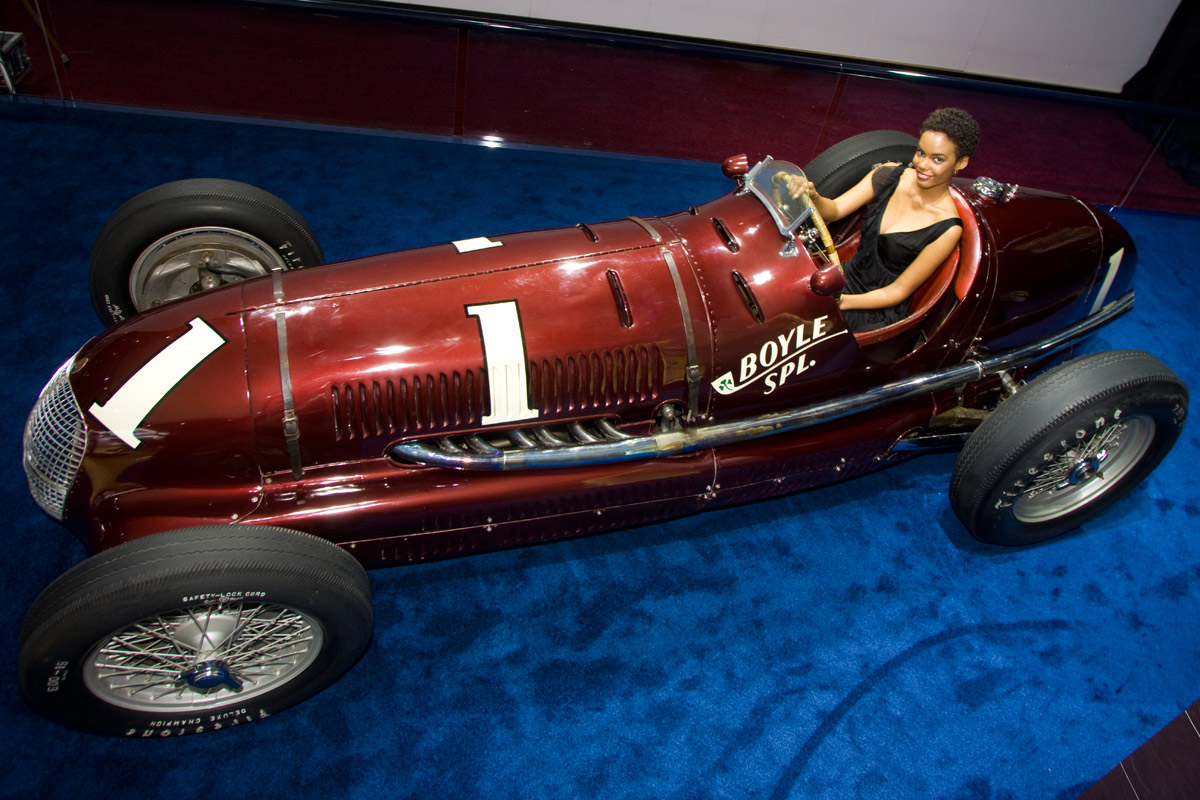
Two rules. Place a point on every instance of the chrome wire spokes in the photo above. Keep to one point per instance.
(1084, 469)
(1077, 464)
(202, 657)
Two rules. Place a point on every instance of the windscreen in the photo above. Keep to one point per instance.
(768, 181)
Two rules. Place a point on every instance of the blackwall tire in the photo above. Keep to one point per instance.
(1067, 446)
(190, 236)
(194, 630)
(846, 163)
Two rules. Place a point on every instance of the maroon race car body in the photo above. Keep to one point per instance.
(501, 391)
(534, 332)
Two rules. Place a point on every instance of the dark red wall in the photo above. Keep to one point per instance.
(457, 79)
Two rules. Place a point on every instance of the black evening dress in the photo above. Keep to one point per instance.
(882, 257)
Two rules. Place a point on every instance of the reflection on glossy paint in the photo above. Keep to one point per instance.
(330, 491)
(574, 267)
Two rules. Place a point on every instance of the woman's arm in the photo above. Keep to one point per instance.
(919, 271)
(847, 203)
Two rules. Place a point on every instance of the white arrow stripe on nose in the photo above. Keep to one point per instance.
(134, 401)
(1114, 263)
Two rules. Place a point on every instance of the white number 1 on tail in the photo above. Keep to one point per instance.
(504, 355)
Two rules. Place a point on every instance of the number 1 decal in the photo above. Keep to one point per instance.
(504, 356)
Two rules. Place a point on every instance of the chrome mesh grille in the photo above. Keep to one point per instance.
(54, 443)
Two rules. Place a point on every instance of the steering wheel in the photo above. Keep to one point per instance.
(784, 201)
(823, 230)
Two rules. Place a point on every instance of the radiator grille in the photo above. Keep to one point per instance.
(55, 439)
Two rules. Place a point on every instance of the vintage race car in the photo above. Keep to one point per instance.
(249, 434)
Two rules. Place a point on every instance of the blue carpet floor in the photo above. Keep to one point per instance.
(851, 642)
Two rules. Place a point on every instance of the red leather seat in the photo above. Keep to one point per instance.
(963, 262)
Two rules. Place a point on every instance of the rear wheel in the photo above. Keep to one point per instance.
(847, 162)
(194, 630)
(1067, 446)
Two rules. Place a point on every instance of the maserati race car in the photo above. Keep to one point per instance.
(254, 428)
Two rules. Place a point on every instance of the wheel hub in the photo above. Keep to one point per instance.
(1075, 477)
(1085, 469)
(211, 675)
(197, 260)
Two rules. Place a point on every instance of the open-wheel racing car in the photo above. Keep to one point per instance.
(248, 435)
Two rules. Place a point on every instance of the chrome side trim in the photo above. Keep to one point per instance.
(949, 442)
(655, 235)
(693, 366)
(690, 440)
(291, 422)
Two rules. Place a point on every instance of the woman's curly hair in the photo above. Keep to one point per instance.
(958, 126)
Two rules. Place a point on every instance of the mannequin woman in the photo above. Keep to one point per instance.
(911, 223)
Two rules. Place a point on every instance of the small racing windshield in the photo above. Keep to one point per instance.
(768, 181)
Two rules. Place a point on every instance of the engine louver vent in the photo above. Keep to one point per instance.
(449, 401)
(406, 407)
(598, 380)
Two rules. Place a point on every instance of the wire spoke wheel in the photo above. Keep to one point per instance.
(202, 657)
(1068, 445)
(1084, 471)
(194, 630)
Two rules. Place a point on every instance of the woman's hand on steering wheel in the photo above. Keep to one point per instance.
(806, 192)
(798, 186)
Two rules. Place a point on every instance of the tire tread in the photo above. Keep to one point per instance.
(141, 563)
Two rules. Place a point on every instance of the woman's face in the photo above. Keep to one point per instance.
(936, 160)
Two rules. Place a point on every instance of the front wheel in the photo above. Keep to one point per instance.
(191, 236)
(194, 630)
(1067, 446)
